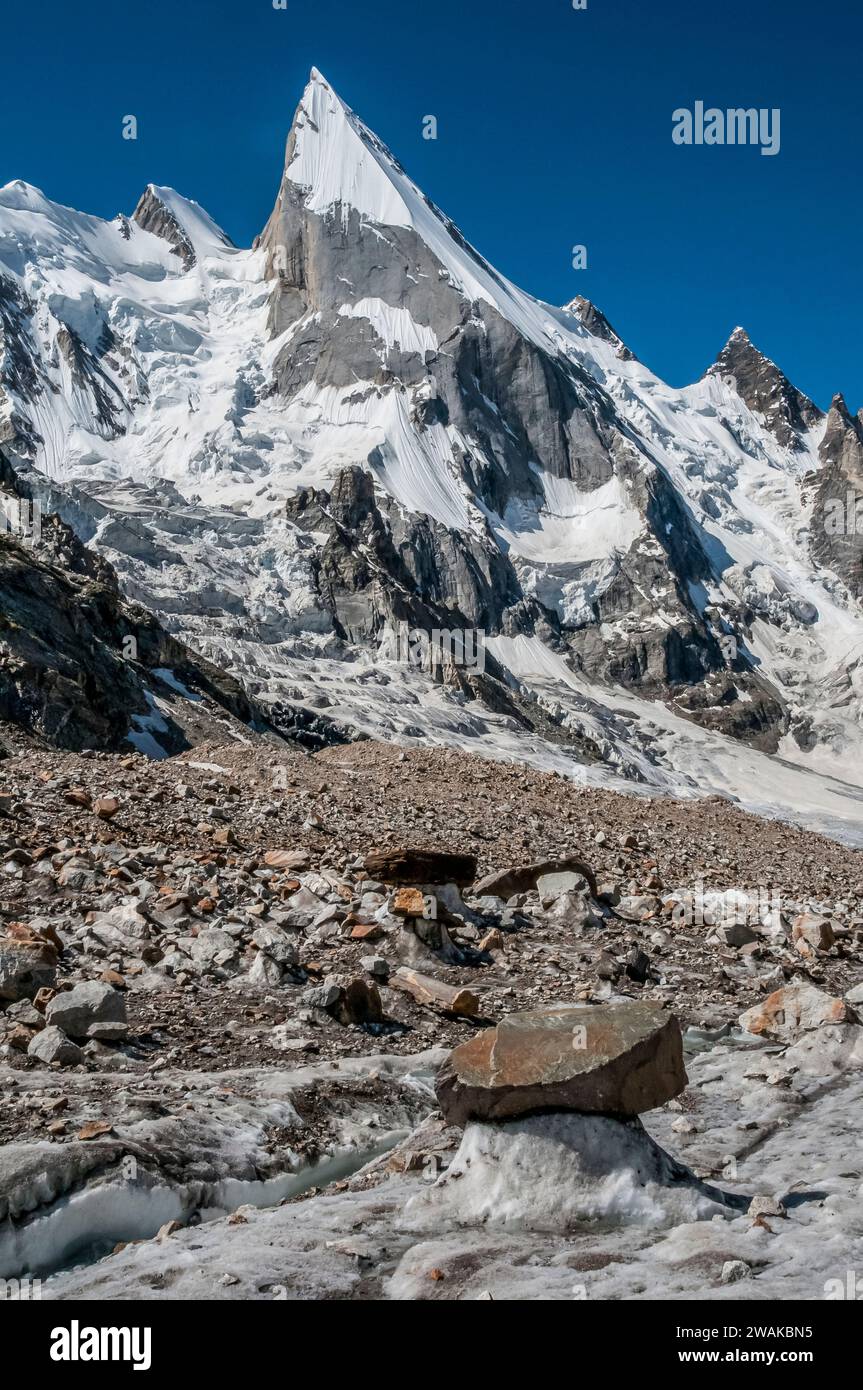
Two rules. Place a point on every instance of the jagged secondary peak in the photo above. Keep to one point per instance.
(767, 392)
(595, 322)
(184, 224)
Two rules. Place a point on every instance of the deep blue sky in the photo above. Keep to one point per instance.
(555, 129)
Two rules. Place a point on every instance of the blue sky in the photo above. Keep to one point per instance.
(554, 130)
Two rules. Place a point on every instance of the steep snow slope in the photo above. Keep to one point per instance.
(643, 558)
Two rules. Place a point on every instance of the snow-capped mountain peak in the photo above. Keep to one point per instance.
(289, 450)
(336, 161)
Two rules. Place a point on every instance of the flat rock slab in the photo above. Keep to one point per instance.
(619, 1059)
(524, 878)
(421, 866)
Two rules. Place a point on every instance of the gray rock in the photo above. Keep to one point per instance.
(375, 966)
(265, 971)
(763, 1205)
(276, 944)
(90, 1010)
(735, 934)
(52, 1045)
(554, 885)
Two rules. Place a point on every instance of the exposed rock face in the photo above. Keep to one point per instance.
(80, 661)
(87, 374)
(52, 1045)
(786, 412)
(612, 1059)
(152, 214)
(596, 323)
(21, 376)
(837, 513)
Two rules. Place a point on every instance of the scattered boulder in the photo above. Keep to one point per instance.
(275, 943)
(25, 968)
(812, 933)
(52, 1045)
(347, 1000)
(455, 999)
(287, 859)
(408, 902)
(796, 1009)
(765, 1205)
(559, 873)
(735, 934)
(609, 1059)
(90, 1010)
(413, 866)
(265, 972)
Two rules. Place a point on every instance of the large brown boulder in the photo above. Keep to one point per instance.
(421, 866)
(611, 1059)
(26, 967)
(798, 1008)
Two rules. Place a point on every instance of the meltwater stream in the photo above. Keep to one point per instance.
(86, 1226)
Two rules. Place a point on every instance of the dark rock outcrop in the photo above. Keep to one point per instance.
(786, 412)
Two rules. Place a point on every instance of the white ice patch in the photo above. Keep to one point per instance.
(145, 726)
(571, 525)
(558, 1172)
(169, 679)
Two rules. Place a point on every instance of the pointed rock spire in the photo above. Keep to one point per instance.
(768, 393)
(843, 435)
